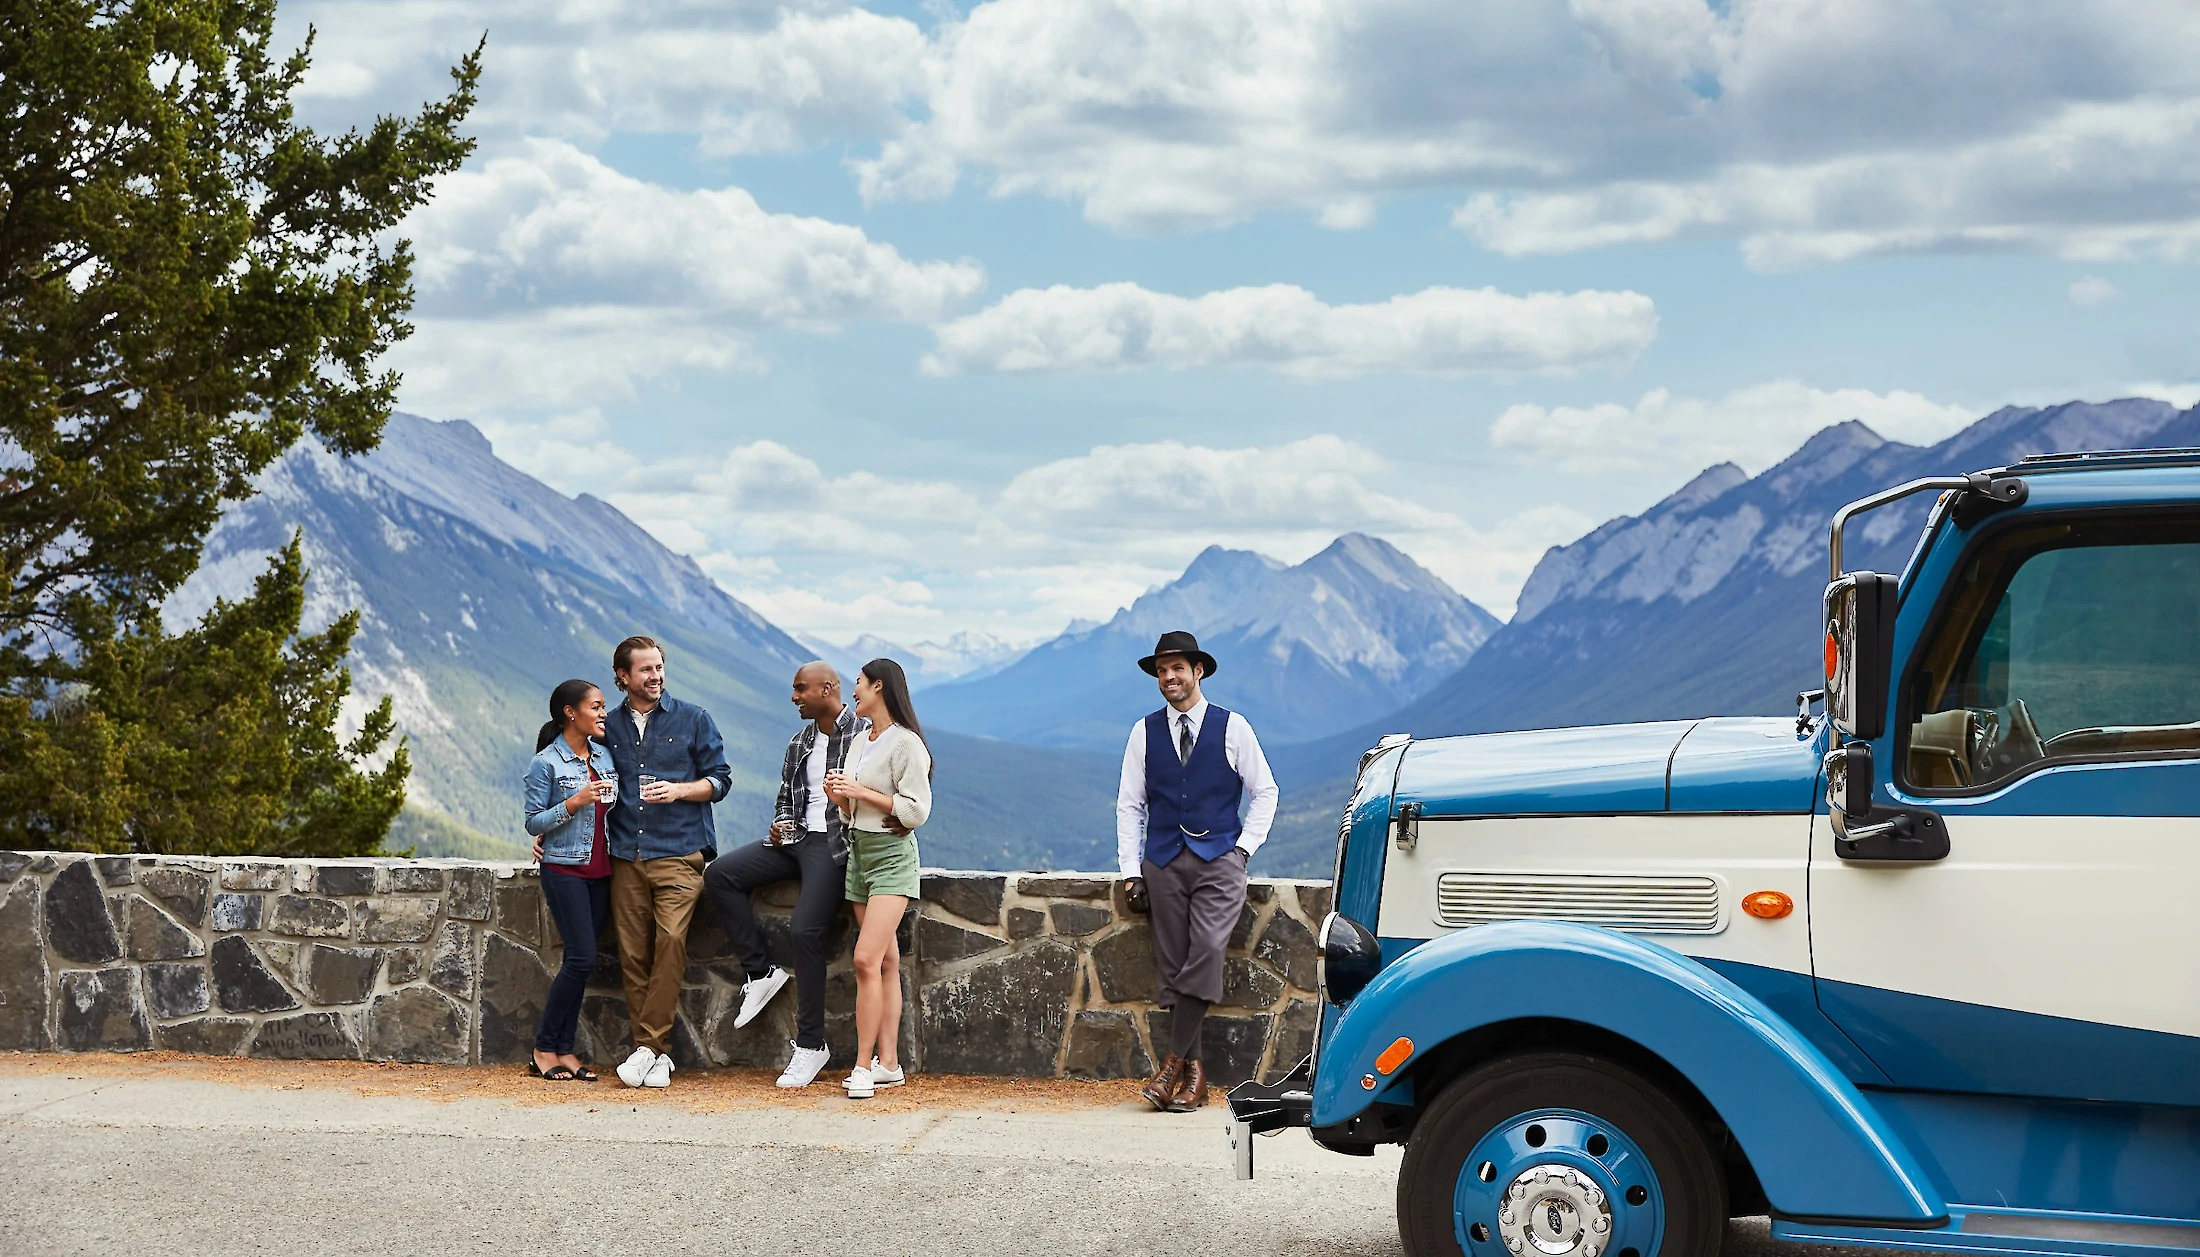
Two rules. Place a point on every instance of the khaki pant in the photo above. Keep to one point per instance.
(652, 902)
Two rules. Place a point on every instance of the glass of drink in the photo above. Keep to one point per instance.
(642, 783)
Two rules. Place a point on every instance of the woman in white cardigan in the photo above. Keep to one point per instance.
(884, 794)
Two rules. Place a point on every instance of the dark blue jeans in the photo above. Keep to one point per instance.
(580, 906)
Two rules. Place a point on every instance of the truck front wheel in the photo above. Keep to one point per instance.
(1558, 1154)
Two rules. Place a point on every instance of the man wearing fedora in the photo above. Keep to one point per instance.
(1183, 849)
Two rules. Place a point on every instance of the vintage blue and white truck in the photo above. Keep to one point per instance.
(1921, 972)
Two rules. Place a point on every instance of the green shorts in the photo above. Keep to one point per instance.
(881, 864)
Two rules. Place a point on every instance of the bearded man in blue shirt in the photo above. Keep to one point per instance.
(672, 768)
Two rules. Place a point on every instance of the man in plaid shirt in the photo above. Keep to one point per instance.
(808, 843)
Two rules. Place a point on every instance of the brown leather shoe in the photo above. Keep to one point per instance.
(1191, 1088)
(1160, 1089)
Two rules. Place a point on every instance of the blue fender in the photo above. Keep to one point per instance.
(1819, 1148)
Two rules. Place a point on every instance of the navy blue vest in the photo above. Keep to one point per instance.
(1190, 803)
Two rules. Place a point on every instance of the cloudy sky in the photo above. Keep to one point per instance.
(914, 319)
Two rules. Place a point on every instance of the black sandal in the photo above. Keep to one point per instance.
(556, 1073)
(583, 1074)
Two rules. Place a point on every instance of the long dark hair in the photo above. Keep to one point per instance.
(568, 694)
(893, 686)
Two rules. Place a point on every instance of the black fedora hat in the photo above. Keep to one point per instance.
(1178, 642)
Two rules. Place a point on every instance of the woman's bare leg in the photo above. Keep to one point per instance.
(890, 907)
(874, 948)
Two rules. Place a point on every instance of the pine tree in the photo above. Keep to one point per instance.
(190, 282)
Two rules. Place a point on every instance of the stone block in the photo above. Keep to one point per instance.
(451, 964)
(182, 891)
(694, 1010)
(308, 1037)
(77, 925)
(115, 870)
(1026, 923)
(781, 895)
(519, 911)
(411, 879)
(151, 934)
(100, 1011)
(340, 975)
(44, 864)
(1079, 918)
(242, 982)
(972, 896)
(1241, 934)
(1248, 985)
(1104, 1044)
(1007, 1017)
(1258, 893)
(605, 1036)
(1314, 901)
(417, 1024)
(24, 990)
(255, 876)
(177, 990)
(513, 985)
(393, 920)
(233, 912)
(940, 943)
(206, 1036)
(1123, 961)
(1232, 1048)
(1066, 887)
(1288, 947)
(282, 960)
(303, 916)
(343, 879)
(12, 864)
(1294, 1033)
(468, 899)
(405, 964)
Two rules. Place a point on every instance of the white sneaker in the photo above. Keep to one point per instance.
(803, 1066)
(857, 1084)
(636, 1067)
(884, 1077)
(758, 992)
(660, 1073)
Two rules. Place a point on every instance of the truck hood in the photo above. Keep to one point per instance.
(1727, 764)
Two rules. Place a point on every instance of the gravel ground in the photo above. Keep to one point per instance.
(179, 1156)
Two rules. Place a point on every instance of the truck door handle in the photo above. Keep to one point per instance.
(1905, 834)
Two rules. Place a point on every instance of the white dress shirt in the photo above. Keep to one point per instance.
(1239, 747)
(813, 768)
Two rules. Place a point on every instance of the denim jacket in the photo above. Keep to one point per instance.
(553, 776)
(682, 745)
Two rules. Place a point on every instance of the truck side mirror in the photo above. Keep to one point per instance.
(1849, 780)
(1860, 609)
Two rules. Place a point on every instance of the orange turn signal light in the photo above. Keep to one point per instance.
(1833, 655)
(1768, 905)
(1393, 1056)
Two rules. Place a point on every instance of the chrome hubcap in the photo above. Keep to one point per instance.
(1554, 1211)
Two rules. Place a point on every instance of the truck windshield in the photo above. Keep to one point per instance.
(2060, 641)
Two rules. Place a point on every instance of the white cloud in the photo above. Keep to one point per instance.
(2092, 291)
(1286, 328)
(1754, 426)
(839, 552)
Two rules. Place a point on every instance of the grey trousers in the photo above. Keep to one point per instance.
(1194, 905)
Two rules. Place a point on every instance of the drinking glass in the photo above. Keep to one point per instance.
(642, 784)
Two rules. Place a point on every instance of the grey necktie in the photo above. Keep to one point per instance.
(1184, 741)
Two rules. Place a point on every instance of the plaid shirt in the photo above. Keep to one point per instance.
(793, 803)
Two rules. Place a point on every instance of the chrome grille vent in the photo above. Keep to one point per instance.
(1647, 904)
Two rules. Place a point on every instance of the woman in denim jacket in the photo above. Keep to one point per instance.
(570, 786)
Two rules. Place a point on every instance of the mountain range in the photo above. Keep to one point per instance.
(480, 588)
(1302, 651)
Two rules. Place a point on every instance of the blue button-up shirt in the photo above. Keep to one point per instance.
(682, 745)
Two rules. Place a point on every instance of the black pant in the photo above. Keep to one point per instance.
(729, 882)
(580, 906)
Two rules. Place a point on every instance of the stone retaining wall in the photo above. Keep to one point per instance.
(448, 961)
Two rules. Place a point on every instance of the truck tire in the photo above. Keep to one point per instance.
(1559, 1154)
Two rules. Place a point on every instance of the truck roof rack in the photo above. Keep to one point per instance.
(2086, 460)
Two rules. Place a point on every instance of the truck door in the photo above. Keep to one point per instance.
(2050, 714)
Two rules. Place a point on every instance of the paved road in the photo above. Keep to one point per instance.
(178, 1166)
